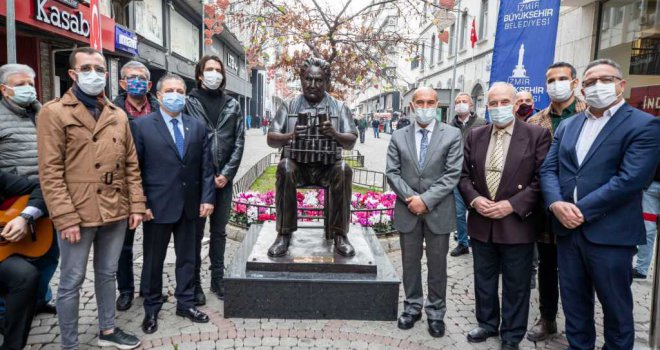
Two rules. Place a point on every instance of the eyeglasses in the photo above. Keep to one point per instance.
(606, 79)
(89, 67)
(138, 77)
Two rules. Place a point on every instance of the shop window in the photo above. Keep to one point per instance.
(432, 53)
(464, 26)
(483, 19)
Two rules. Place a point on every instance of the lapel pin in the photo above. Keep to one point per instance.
(520, 187)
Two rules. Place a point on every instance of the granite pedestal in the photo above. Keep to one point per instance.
(311, 281)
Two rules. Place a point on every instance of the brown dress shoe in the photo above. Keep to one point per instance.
(542, 330)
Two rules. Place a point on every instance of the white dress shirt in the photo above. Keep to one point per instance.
(168, 122)
(590, 130)
(34, 212)
(418, 135)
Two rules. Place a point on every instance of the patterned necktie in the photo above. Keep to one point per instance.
(178, 137)
(495, 165)
(423, 146)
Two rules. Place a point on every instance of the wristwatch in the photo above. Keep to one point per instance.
(29, 218)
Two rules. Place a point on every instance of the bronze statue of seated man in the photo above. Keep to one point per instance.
(293, 172)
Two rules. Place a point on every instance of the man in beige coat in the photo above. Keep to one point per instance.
(91, 182)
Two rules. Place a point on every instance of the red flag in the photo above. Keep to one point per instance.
(95, 40)
(444, 36)
(473, 33)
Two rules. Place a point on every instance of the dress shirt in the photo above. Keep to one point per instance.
(168, 122)
(418, 135)
(506, 140)
(590, 130)
(34, 212)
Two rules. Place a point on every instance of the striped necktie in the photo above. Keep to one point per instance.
(495, 165)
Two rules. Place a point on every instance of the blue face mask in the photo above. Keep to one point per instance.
(501, 116)
(136, 87)
(24, 95)
(174, 101)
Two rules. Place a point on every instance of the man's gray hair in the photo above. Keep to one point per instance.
(135, 65)
(500, 84)
(606, 61)
(14, 68)
(463, 93)
(170, 76)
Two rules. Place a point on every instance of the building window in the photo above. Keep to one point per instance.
(432, 53)
(464, 30)
(423, 56)
(452, 39)
(440, 49)
(483, 20)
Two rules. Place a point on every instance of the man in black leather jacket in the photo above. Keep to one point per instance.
(226, 132)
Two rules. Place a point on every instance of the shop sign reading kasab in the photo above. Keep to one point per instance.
(67, 18)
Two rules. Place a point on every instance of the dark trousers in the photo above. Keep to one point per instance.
(338, 178)
(516, 263)
(548, 281)
(583, 268)
(218, 231)
(125, 279)
(412, 248)
(156, 239)
(362, 135)
(19, 281)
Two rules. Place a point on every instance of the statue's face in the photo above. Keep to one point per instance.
(314, 84)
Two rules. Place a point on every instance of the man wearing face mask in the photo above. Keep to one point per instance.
(136, 101)
(465, 119)
(18, 155)
(500, 181)
(90, 179)
(593, 178)
(222, 115)
(423, 167)
(175, 158)
(524, 107)
(561, 80)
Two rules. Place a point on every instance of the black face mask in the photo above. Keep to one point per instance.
(524, 109)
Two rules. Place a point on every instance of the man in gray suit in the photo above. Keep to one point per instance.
(423, 167)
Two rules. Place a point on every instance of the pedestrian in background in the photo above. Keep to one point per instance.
(651, 207)
(561, 82)
(423, 167)
(91, 183)
(223, 118)
(136, 101)
(375, 124)
(403, 122)
(593, 180)
(524, 107)
(465, 119)
(500, 181)
(18, 155)
(264, 125)
(362, 127)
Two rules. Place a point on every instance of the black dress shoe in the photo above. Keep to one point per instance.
(343, 246)
(125, 301)
(47, 308)
(407, 321)
(218, 289)
(460, 250)
(193, 314)
(479, 335)
(437, 328)
(280, 246)
(199, 298)
(150, 323)
(509, 345)
(638, 275)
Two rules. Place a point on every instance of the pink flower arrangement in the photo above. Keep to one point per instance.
(371, 209)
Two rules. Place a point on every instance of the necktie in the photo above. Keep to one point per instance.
(178, 137)
(495, 165)
(423, 146)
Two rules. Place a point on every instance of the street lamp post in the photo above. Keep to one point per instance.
(654, 328)
(453, 79)
(11, 32)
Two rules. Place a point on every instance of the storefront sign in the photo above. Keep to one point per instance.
(525, 45)
(57, 19)
(125, 40)
(646, 98)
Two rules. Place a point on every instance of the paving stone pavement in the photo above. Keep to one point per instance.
(220, 333)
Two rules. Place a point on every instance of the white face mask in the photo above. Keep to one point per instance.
(501, 116)
(601, 95)
(462, 108)
(91, 83)
(560, 91)
(425, 116)
(212, 79)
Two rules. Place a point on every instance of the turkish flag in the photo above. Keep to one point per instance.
(95, 40)
(444, 36)
(473, 33)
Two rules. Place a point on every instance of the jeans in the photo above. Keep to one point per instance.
(651, 205)
(46, 265)
(362, 132)
(376, 132)
(107, 241)
(218, 227)
(461, 221)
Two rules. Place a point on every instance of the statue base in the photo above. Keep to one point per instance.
(311, 281)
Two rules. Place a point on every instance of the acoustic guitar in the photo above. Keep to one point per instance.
(39, 238)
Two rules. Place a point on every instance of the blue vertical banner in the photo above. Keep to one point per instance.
(525, 45)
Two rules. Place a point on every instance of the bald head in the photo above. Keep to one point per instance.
(501, 93)
(425, 97)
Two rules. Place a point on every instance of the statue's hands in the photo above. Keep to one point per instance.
(326, 129)
(301, 130)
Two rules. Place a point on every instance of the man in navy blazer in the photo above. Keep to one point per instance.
(177, 176)
(592, 182)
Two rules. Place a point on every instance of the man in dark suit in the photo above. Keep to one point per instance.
(423, 167)
(500, 181)
(592, 179)
(177, 175)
